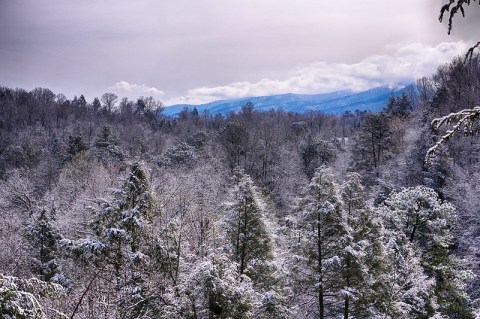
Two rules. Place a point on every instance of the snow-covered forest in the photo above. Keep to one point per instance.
(111, 210)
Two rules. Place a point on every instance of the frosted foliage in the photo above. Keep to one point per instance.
(320, 226)
(217, 290)
(465, 121)
(24, 298)
(320, 207)
(248, 235)
(124, 218)
(421, 215)
(272, 305)
(418, 220)
(85, 250)
(352, 192)
(43, 239)
(361, 248)
(322, 188)
(406, 291)
(179, 154)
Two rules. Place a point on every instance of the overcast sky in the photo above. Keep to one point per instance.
(201, 50)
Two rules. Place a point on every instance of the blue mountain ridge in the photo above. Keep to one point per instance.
(335, 103)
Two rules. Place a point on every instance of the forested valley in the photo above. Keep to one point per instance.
(112, 210)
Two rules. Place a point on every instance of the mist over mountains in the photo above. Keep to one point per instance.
(336, 102)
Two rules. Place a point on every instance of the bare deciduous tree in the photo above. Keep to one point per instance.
(109, 100)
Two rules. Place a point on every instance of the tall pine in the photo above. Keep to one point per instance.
(425, 220)
(321, 227)
(361, 250)
(44, 240)
(248, 235)
(123, 226)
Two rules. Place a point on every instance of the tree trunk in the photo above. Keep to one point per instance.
(373, 151)
(321, 306)
(243, 243)
(412, 235)
(347, 284)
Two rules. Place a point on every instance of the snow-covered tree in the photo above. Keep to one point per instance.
(373, 144)
(272, 305)
(421, 215)
(248, 235)
(124, 247)
(125, 219)
(321, 226)
(234, 137)
(44, 240)
(467, 120)
(123, 225)
(399, 106)
(361, 249)
(402, 290)
(215, 289)
(26, 298)
(425, 220)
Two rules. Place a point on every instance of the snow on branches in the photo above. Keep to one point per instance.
(466, 120)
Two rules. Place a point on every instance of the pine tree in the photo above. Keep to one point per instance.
(399, 106)
(44, 240)
(248, 236)
(124, 220)
(76, 145)
(215, 289)
(28, 298)
(403, 290)
(361, 249)
(373, 144)
(123, 226)
(426, 221)
(321, 226)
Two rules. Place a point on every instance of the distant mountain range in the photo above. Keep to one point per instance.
(331, 103)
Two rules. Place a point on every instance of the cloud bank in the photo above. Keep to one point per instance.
(139, 89)
(403, 64)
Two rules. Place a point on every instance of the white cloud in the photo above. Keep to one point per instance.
(403, 64)
(139, 89)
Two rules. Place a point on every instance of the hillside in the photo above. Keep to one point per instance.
(114, 203)
(336, 102)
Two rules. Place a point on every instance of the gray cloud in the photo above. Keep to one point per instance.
(401, 66)
(85, 46)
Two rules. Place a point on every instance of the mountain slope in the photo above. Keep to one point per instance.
(332, 103)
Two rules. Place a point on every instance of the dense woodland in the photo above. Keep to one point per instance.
(111, 210)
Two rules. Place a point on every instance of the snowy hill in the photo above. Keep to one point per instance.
(332, 103)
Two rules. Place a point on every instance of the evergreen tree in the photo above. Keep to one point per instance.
(44, 241)
(403, 290)
(314, 154)
(126, 218)
(399, 106)
(104, 136)
(76, 145)
(248, 234)
(373, 143)
(235, 138)
(96, 104)
(361, 251)
(123, 226)
(215, 289)
(426, 221)
(28, 298)
(321, 227)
